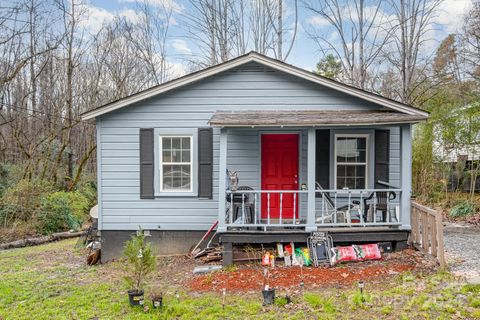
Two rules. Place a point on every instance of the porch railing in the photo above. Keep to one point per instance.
(333, 208)
(366, 207)
(427, 231)
(265, 208)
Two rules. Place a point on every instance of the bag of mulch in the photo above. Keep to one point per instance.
(368, 252)
(341, 254)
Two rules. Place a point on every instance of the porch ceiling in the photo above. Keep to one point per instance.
(298, 118)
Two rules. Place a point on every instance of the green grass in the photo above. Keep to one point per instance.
(52, 282)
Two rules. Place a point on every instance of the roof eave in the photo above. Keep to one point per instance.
(310, 125)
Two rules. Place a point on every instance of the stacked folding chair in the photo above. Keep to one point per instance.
(320, 245)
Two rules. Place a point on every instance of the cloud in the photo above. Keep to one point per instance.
(160, 3)
(317, 21)
(181, 46)
(451, 14)
(97, 17)
(176, 69)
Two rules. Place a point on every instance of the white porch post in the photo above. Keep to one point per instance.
(221, 183)
(405, 173)
(311, 226)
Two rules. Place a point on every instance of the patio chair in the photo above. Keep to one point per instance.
(342, 214)
(370, 204)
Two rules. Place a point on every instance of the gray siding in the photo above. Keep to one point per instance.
(249, 87)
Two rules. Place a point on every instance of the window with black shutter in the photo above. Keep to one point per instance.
(382, 157)
(205, 163)
(147, 164)
(322, 155)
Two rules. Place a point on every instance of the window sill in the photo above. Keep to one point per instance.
(176, 194)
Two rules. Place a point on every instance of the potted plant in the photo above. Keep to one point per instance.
(157, 298)
(140, 261)
(261, 262)
(267, 292)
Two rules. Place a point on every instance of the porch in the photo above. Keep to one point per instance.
(290, 173)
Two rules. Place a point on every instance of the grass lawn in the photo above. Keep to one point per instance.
(52, 282)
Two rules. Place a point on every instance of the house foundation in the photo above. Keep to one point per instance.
(163, 242)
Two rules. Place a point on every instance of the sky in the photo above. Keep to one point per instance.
(305, 53)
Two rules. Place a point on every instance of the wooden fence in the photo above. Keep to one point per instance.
(427, 231)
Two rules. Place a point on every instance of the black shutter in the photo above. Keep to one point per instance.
(205, 163)
(382, 157)
(146, 164)
(322, 155)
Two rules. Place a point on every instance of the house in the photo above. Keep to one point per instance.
(460, 151)
(310, 154)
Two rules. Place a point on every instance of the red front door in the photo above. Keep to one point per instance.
(279, 172)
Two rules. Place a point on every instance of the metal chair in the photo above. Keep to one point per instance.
(342, 214)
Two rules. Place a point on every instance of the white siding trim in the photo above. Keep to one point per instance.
(99, 174)
(367, 155)
(191, 132)
(162, 163)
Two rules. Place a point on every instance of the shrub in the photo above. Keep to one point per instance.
(22, 201)
(62, 211)
(462, 209)
(140, 261)
(89, 190)
(4, 177)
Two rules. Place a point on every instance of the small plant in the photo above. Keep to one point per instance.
(317, 302)
(359, 300)
(386, 310)
(230, 268)
(157, 298)
(282, 301)
(140, 262)
(462, 209)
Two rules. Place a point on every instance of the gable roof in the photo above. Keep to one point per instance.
(263, 60)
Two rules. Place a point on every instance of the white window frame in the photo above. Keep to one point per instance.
(367, 153)
(162, 163)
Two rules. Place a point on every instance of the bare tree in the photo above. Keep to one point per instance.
(358, 26)
(149, 35)
(470, 39)
(223, 29)
(413, 18)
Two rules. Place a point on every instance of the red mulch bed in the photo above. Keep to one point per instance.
(250, 278)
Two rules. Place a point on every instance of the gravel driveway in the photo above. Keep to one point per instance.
(462, 246)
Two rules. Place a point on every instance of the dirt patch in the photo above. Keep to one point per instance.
(249, 277)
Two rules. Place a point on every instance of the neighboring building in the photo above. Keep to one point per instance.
(465, 117)
(462, 157)
(310, 154)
